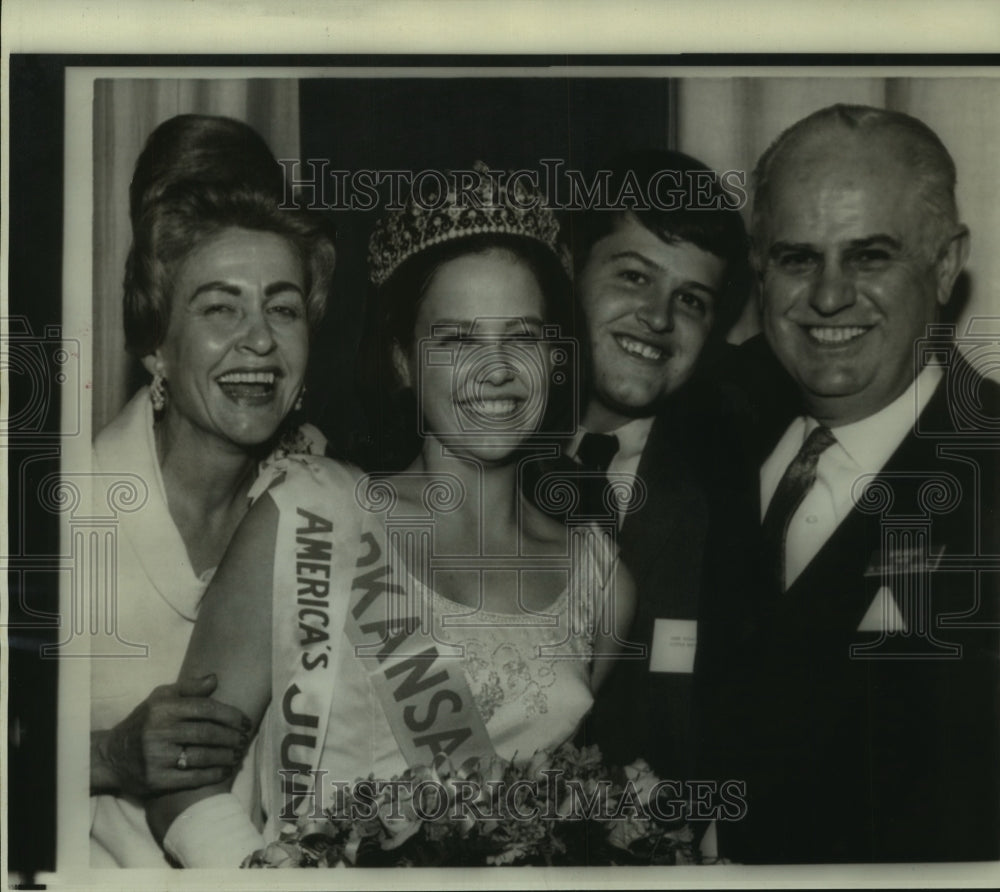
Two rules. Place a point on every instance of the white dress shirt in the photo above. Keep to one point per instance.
(632, 438)
(862, 448)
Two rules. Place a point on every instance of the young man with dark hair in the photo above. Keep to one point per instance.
(660, 281)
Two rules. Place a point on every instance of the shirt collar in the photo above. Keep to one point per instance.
(631, 436)
(871, 441)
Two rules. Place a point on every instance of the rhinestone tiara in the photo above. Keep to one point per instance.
(488, 207)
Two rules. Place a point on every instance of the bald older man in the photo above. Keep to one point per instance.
(849, 662)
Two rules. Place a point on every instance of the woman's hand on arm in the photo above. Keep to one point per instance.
(138, 756)
(613, 636)
(232, 641)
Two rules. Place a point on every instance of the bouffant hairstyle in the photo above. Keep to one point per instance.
(185, 216)
(206, 149)
(197, 176)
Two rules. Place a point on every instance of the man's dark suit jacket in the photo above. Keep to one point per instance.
(874, 755)
(690, 470)
(638, 713)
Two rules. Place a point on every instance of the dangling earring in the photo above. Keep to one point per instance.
(158, 392)
(298, 402)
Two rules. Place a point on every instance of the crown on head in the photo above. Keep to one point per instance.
(486, 205)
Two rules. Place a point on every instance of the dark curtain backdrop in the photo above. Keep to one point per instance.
(441, 124)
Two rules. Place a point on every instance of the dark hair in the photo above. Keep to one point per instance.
(706, 215)
(391, 317)
(183, 217)
(919, 147)
(205, 149)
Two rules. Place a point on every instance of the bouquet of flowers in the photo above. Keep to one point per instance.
(562, 808)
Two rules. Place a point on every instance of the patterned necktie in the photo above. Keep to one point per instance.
(798, 479)
(595, 454)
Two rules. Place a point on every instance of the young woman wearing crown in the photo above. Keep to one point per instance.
(368, 624)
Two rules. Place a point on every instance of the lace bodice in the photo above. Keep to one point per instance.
(528, 672)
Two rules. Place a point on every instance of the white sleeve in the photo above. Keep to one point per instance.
(215, 832)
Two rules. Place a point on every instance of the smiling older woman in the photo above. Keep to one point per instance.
(222, 291)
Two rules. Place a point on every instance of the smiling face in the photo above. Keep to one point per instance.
(237, 341)
(849, 279)
(479, 369)
(649, 307)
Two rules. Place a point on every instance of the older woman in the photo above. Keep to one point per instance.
(222, 290)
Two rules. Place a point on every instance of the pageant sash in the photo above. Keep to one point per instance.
(335, 585)
(420, 683)
(313, 565)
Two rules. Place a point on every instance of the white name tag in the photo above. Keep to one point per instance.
(674, 642)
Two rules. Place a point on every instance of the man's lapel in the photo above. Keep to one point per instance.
(650, 515)
(668, 492)
(827, 594)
